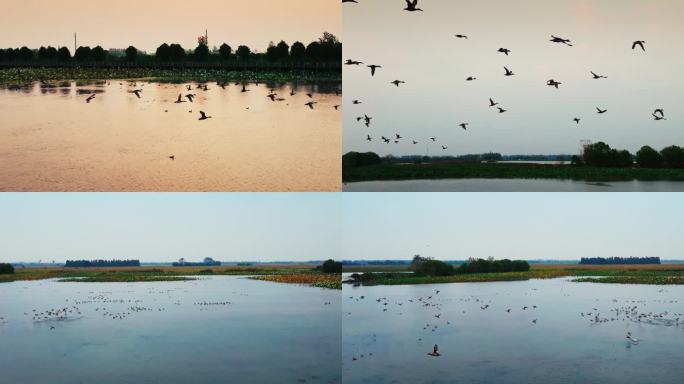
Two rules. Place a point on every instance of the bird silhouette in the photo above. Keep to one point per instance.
(203, 116)
(172, 157)
(352, 62)
(601, 111)
(461, 36)
(596, 77)
(311, 104)
(179, 100)
(464, 126)
(471, 78)
(492, 103)
(91, 97)
(576, 120)
(639, 43)
(373, 67)
(244, 88)
(397, 82)
(501, 110)
(553, 83)
(411, 6)
(356, 102)
(136, 92)
(508, 72)
(190, 96)
(504, 51)
(560, 40)
(368, 138)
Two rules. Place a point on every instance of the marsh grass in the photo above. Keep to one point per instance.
(29, 75)
(321, 280)
(394, 172)
(616, 274)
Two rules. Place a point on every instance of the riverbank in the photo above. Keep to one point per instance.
(13, 76)
(294, 272)
(397, 172)
(609, 274)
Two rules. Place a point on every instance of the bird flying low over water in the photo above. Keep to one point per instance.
(411, 6)
(91, 97)
(373, 67)
(560, 40)
(190, 96)
(203, 116)
(136, 92)
(508, 72)
(639, 43)
(397, 82)
(352, 62)
(180, 99)
(504, 50)
(596, 77)
(601, 111)
(311, 104)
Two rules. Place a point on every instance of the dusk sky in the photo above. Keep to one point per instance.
(421, 49)
(166, 227)
(146, 24)
(456, 226)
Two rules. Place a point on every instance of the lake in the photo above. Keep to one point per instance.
(388, 333)
(217, 329)
(512, 185)
(51, 139)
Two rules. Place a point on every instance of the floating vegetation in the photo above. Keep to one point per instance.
(321, 280)
(652, 280)
(28, 75)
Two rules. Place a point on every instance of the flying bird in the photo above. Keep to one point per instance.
(492, 103)
(373, 67)
(310, 104)
(136, 92)
(504, 50)
(576, 120)
(352, 62)
(596, 77)
(461, 36)
(553, 83)
(464, 126)
(397, 82)
(90, 98)
(411, 6)
(180, 100)
(471, 78)
(508, 72)
(203, 116)
(560, 40)
(501, 110)
(639, 43)
(601, 111)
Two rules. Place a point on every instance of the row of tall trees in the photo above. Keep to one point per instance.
(602, 155)
(327, 49)
(425, 266)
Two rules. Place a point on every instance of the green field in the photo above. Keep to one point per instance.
(16, 76)
(295, 273)
(505, 171)
(615, 274)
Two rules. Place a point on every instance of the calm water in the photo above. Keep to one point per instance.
(52, 140)
(267, 333)
(512, 185)
(494, 346)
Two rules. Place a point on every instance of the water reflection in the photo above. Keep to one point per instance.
(51, 139)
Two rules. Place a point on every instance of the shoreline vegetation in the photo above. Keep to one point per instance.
(307, 274)
(651, 274)
(598, 162)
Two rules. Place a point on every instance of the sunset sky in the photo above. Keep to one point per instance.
(148, 23)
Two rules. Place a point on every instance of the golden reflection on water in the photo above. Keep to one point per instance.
(51, 139)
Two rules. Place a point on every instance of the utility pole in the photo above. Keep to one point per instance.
(74, 42)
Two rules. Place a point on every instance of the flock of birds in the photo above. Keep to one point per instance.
(412, 6)
(439, 313)
(187, 93)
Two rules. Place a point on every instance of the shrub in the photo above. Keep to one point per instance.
(356, 159)
(331, 266)
(648, 157)
(673, 156)
(6, 269)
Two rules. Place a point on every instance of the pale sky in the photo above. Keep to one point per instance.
(167, 226)
(561, 226)
(421, 49)
(146, 24)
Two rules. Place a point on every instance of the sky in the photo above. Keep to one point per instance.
(147, 24)
(165, 227)
(553, 226)
(421, 49)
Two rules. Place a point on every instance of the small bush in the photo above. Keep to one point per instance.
(6, 269)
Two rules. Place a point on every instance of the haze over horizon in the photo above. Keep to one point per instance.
(421, 49)
(148, 24)
(530, 226)
(165, 227)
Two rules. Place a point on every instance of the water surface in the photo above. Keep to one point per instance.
(217, 329)
(51, 139)
(388, 333)
(512, 185)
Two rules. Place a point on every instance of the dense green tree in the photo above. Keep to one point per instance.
(25, 54)
(331, 266)
(243, 52)
(283, 50)
(99, 54)
(297, 51)
(163, 53)
(201, 52)
(224, 51)
(63, 54)
(425, 266)
(131, 54)
(601, 155)
(313, 51)
(673, 156)
(6, 269)
(176, 52)
(356, 159)
(271, 52)
(82, 54)
(648, 157)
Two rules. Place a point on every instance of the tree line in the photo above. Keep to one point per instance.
(602, 155)
(619, 260)
(326, 49)
(102, 263)
(426, 266)
(330, 266)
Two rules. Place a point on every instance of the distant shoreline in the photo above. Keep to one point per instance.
(467, 170)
